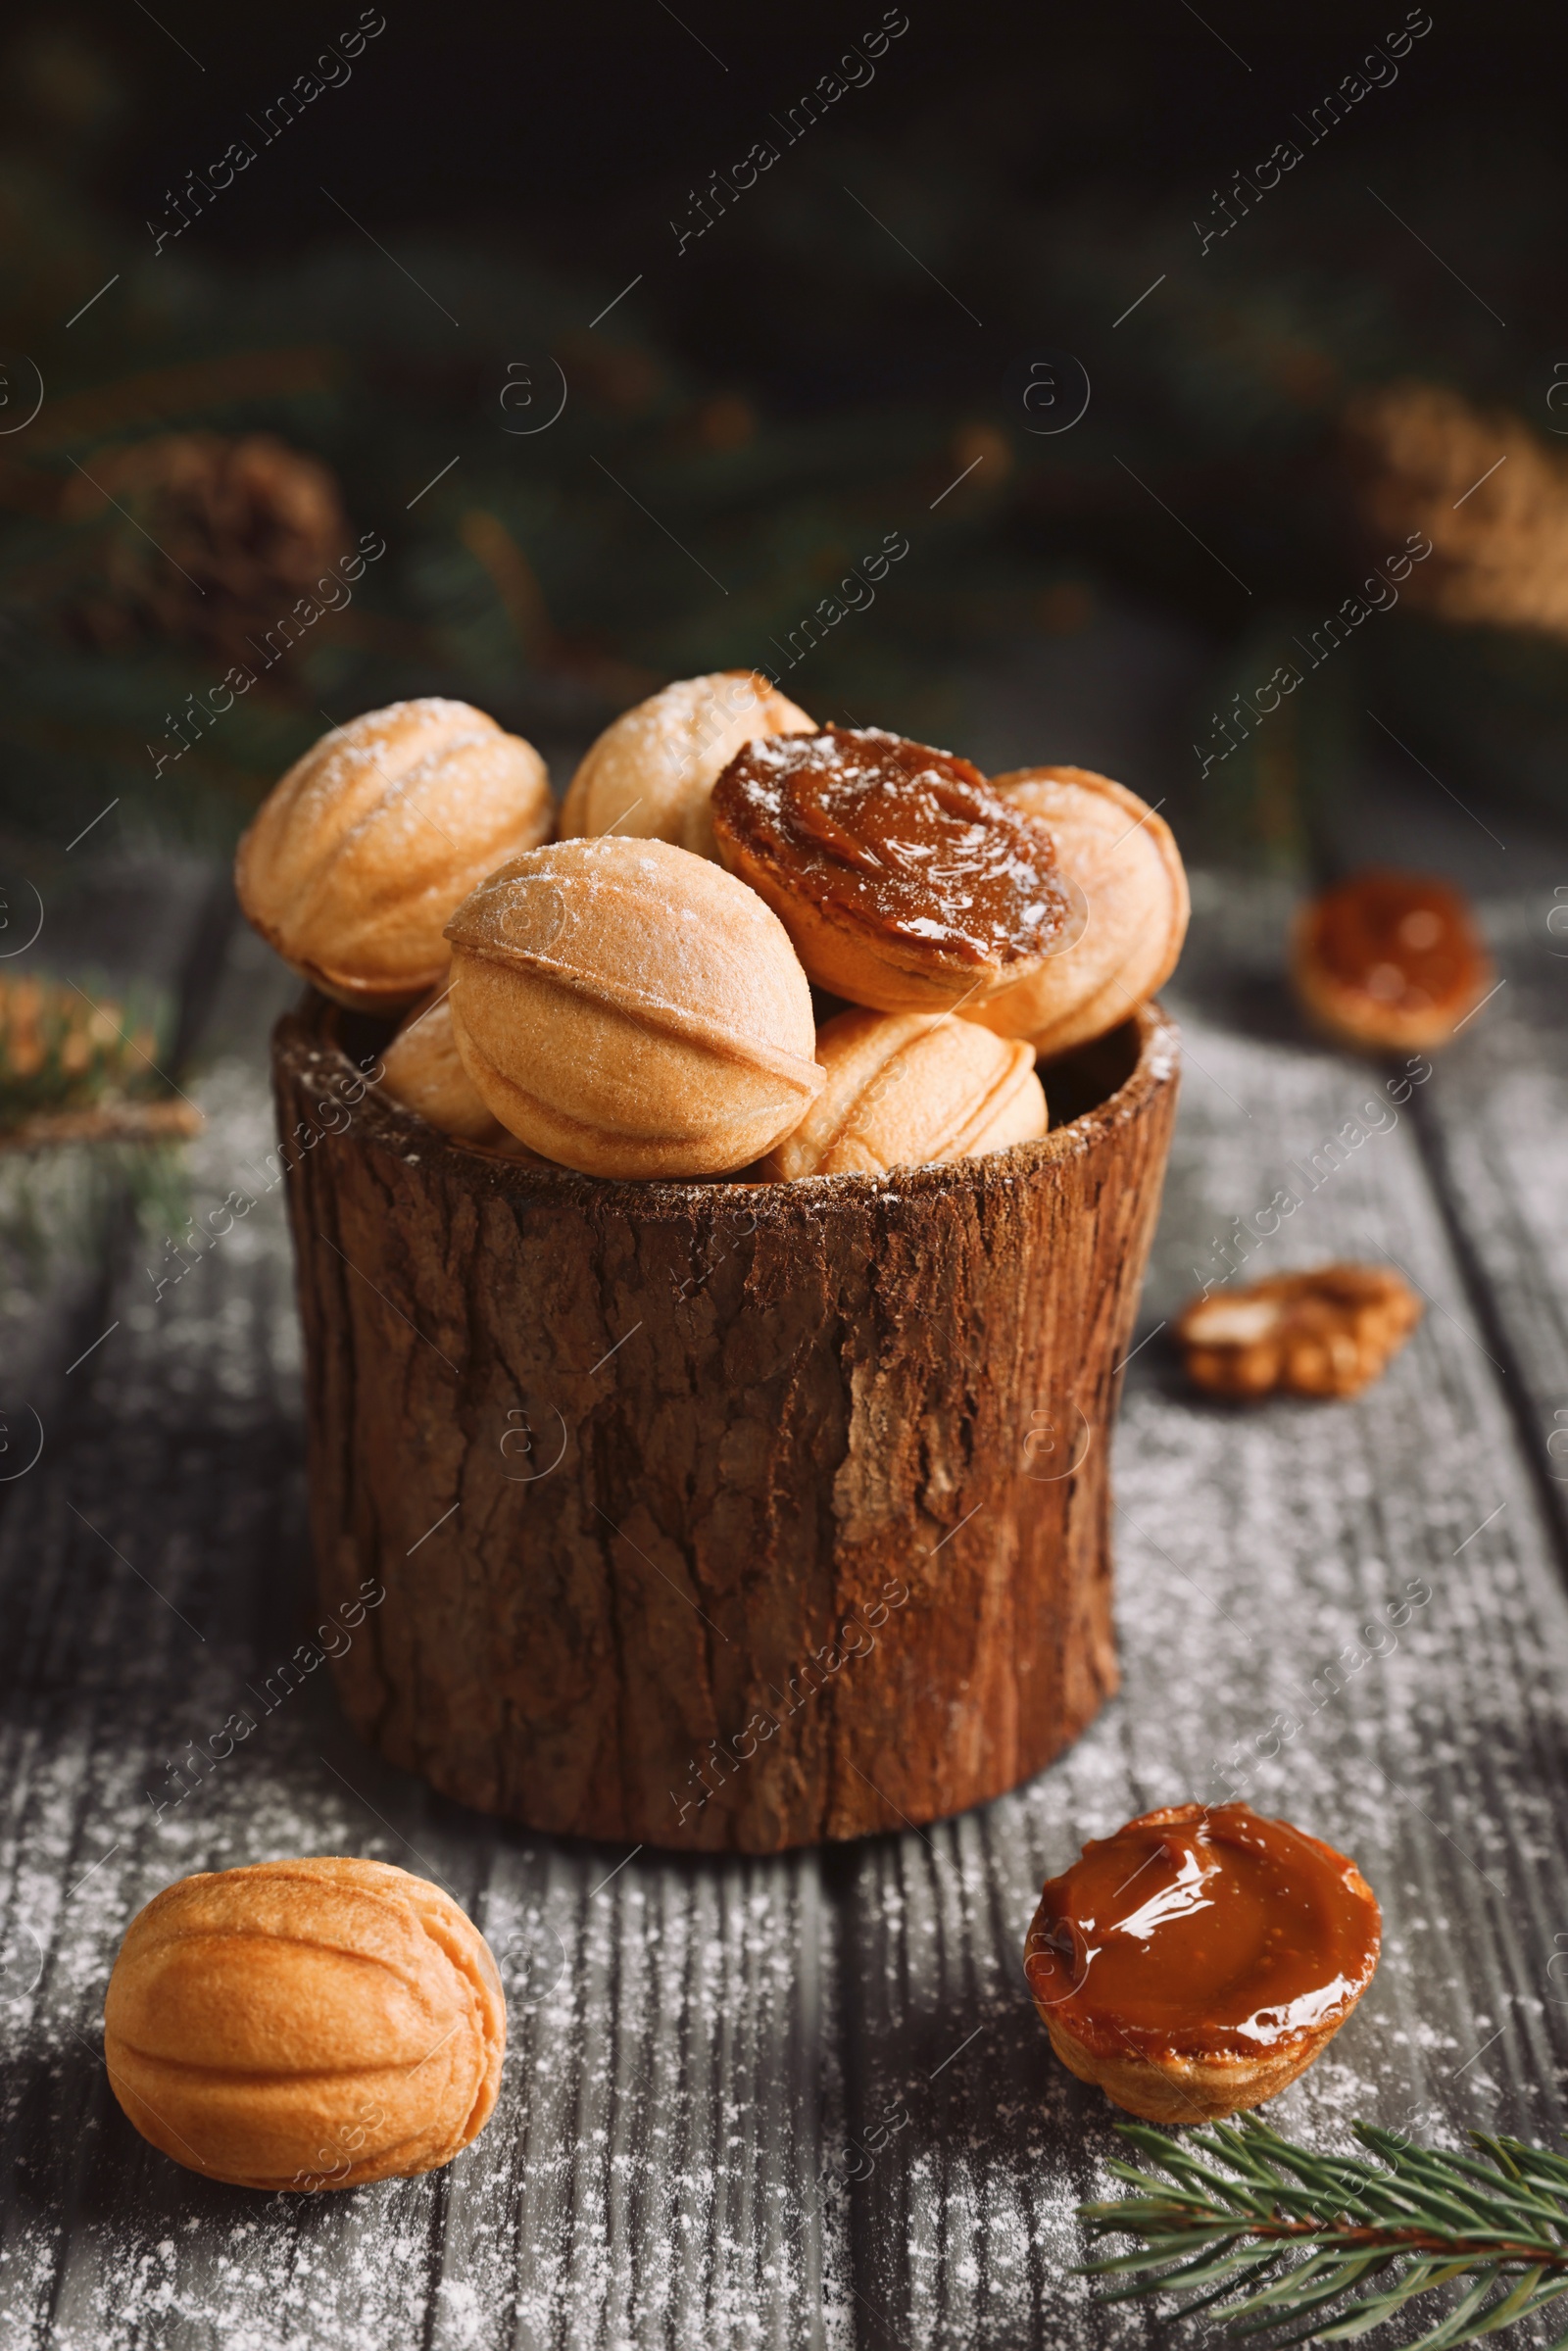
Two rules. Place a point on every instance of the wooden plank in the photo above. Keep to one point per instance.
(675, 2159)
(667, 2094)
(1254, 1550)
(664, 2098)
(1496, 1123)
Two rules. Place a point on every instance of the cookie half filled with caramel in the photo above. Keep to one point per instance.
(904, 882)
(1388, 960)
(1199, 1960)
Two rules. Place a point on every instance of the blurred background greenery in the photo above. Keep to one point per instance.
(358, 339)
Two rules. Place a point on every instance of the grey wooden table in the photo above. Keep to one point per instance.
(805, 2101)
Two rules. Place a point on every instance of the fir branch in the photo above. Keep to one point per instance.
(1243, 2205)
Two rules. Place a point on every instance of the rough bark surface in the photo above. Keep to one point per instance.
(723, 1516)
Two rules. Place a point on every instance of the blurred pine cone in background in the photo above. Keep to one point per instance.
(58, 1050)
(198, 539)
(72, 1070)
(1492, 498)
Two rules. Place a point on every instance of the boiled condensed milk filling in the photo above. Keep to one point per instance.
(1201, 1932)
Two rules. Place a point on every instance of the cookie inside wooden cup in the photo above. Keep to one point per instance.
(904, 882)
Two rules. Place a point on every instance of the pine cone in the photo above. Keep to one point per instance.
(59, 1051)
(1417, 456)
(235, 531)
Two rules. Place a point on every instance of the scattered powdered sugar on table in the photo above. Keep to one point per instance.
(697, 2048)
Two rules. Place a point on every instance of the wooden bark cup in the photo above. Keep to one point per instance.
(721, 1515)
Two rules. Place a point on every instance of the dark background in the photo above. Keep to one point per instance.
(223, 419)
(766, 404)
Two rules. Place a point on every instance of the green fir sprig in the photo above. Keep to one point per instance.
(1247, 2205)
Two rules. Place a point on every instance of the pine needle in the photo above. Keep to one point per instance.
(1267, 2233)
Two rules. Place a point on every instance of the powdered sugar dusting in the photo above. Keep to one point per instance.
(901, 840)
(800, 2100)
(651, 772)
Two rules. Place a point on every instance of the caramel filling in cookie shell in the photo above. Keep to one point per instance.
(900, 840)
(1406, 940)
(1201, 1932)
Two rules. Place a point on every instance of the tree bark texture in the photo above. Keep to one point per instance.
(718, 1515)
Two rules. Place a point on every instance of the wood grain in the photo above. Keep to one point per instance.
(1495, 1122)
(1257, 1545)
(804, 2101)
(806, 1533)
(651, 2173)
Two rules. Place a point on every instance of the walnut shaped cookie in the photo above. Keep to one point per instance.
(305, 2024)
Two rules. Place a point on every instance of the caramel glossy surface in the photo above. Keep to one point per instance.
(898, 840)
(1194, 1933)
(1405, 940)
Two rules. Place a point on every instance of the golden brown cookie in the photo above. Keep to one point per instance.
(1125, 874)
(357, 859)
(629, 1009)
(1199, 1960)
(905, 881)
(422, 1069)
(305, 2024)
(651, 772)
(1328, 1332)
(1390, 963)
(903, 1088)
